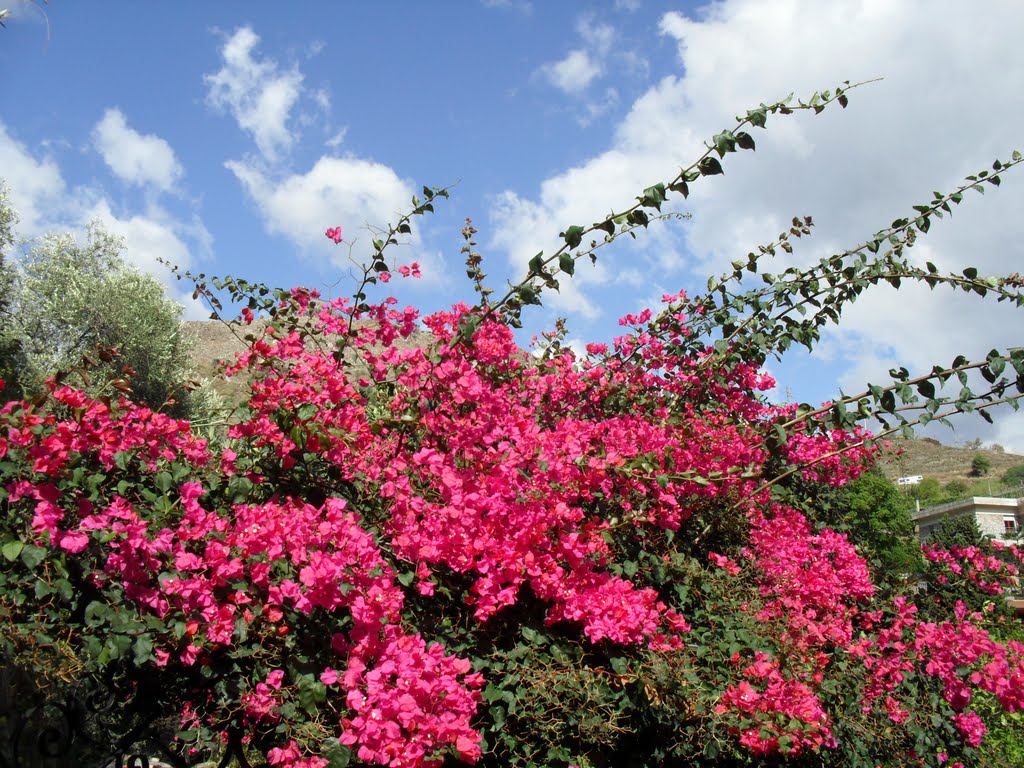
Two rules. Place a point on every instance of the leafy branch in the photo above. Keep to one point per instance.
(542, 269)
(761, 318)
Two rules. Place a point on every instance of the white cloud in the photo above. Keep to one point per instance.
(597, 107)
(257, 93)
(132, 156)
(36, 186)
(337, 139)
(854, 170)
(582, 66)
(347, 192)
(359, 195)
(573, 73)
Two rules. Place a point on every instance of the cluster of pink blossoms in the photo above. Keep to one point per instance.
(769, 705)
(989, 573)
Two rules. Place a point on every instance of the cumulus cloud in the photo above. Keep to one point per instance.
(133, 157)
(257, 93)
(347, 191)
(855, 170)
(36, 185)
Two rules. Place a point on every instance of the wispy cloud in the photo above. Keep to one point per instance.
(257, 92)
(581, 66)
(573, 73)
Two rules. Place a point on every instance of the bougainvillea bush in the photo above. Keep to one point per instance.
(461, 553)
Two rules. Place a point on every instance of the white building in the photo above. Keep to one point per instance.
(996, 517)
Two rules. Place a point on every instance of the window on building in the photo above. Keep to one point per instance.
(1010, 524)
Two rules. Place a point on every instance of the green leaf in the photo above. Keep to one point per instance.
(491, 693)
(337, 755)
(528, 295)
(996, 363)
(638, 217)
(573, 236)
(653, 197)
(536, 263)
(12, 549)
(681, 187)
(758, 117)
(32, 556)
(312, 693)
(163, 481)
(566, 263)
(888, 401)
(143, 649)
(532, 636)
(724, 142)
(970, 273)
(744, 140)
(306, 411)
(97, 613)
(710, 166)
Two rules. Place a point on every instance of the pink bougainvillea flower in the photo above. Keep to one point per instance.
(334, 233)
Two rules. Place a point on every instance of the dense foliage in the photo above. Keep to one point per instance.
(465, 553)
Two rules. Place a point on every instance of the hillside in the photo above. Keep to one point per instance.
(945, 463)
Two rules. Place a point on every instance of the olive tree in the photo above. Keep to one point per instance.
(64, 301)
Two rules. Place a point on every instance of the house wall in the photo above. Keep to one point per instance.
(991, 513)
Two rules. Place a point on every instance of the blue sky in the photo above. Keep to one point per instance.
(227, 137)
